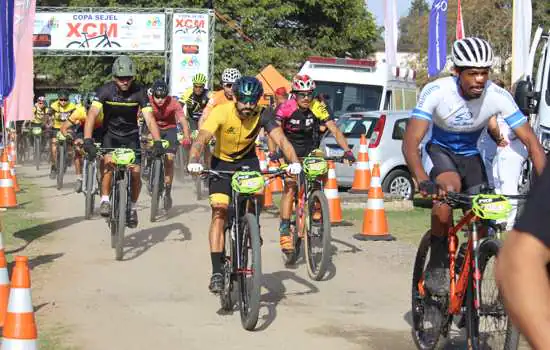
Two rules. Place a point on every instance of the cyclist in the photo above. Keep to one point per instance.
(61, 110)
(301, 118)
(75, 125)
(235, 126)
(522, 267)
(459, 108)
(41, 115)
(195, 99)
(120, 101)
(168, 113)
(220, 97)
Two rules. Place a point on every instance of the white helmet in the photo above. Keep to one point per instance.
(230, 75)
(472, 52)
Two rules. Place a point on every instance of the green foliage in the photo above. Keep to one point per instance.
(282, 33)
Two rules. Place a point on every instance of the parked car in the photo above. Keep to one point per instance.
(385, 130)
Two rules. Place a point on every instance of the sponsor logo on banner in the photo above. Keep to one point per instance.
(99, 31)
(190, 40)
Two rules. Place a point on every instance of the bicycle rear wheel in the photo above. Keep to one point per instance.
(317, 236)
(121, 222)
(90, 195)
(60, 164)
(488, 326)
(250, 277)
(429, 313)
(157, 177)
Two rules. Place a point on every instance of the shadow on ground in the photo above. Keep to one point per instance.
(143, 240)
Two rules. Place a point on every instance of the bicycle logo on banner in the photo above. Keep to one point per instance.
(104, 42)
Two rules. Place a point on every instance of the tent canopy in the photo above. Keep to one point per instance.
(271, 80)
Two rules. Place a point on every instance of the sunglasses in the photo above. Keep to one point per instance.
(248, 99)
(228, 85)
(63, 99)
(198, 86)
(304, 94)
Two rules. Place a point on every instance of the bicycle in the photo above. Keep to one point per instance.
(62, 157)
(122, 159)
(91, 178)
(311, 218)
(105, 41)
(156, 181)
(242, 236)
(468, 267)
(36, 132)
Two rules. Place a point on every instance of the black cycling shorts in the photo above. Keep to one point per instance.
(170, 135)
(130, 141)
(220, 188)
(470, 168)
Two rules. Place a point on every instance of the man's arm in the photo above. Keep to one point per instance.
(279, 138)
(181, 116)
(536, 152)
(151, 123)
(198, 146)
(414, 133)
(522, 277)
(338, 135)
(494, 131)
(93, 112)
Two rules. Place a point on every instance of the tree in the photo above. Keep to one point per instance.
(282, 33)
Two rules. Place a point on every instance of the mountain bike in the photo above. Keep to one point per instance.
(36, 132)
(156, 181)
(310, 222)
(91, 178)
(243, 258)
(122, 159)
(471, 295)
(62, 157)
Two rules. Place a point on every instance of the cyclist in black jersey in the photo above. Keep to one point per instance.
(121, 100)
(195, 99)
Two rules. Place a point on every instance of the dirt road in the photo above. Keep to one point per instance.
(157, 297)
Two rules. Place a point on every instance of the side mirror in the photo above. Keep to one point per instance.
(524, 96)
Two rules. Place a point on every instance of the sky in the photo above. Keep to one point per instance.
(377, 8)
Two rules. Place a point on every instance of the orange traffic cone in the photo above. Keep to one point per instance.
(12, 150)
(362, 175)
(7, 191)
(375, 223)
(276, 184)
(4, 283)
(261, 157)
(20, 327)
(331, 192)
(268, 198)
(11, 161)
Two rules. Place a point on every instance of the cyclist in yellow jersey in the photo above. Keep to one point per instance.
(40, 114)
(61, 110)
(235, 126)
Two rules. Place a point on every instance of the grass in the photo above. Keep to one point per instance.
(20, 228)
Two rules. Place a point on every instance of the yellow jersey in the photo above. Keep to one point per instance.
(78, 117)
(40, 115)
(236, 137)
(61, 114)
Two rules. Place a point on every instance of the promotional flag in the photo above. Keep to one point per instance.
(521, 37)
(391, 32)
(459, 23)
(437, 38)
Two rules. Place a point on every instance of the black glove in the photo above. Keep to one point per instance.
(348, 155)
(158, 150)
(90, 149)
(427, 187)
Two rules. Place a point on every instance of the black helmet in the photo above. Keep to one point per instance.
(159, 89)
(63, 95)
(248, 89)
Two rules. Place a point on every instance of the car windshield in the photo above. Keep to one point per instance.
(345, 98)
(356, 125)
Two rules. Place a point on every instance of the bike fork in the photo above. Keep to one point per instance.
(475, 262)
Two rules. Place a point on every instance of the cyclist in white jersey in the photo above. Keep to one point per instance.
(458, 109)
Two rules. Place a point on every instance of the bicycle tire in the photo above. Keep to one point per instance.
(182, 161)
(121, 222)
(421, 339)
(60, 165)
(291, 258)
(198, 187)
(488, 248)
(156, 178)
(113, 219)
(249, 298)
(317, 270)
(226, 301)
(90, 195)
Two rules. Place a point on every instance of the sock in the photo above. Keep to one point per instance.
(284, 227)
(104, 199)
(79, 177)
(133, 205)
(216, 262)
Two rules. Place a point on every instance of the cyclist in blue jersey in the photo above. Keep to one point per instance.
(458, 109)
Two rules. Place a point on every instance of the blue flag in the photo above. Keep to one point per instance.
(437, 38)
(7, 64)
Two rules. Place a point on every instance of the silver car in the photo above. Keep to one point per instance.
(385, 130)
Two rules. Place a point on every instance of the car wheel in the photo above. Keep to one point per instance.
(399, 183)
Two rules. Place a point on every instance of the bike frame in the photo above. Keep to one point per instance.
(304, 189)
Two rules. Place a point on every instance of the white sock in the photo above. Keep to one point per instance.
(133, 205)
(79, 177)
(104, 199)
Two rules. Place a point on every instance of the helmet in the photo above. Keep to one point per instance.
(248, 89)
(231, 75)
(199, 79)
(302, 83)
(159, 89)
(472, 52)
(41, 99)
(124, 67)
(63, 95)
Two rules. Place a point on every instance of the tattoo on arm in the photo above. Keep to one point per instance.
(198, 146)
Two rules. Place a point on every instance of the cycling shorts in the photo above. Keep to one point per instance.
(170, 135)
(130, 141)
(220, 188)
(470, 169)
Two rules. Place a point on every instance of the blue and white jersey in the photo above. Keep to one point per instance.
(457, 122)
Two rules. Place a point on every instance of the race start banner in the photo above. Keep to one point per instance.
(99, 31)
(190, 49)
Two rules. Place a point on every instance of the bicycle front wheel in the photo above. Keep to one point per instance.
(488, 325)
(90, 195)
(60, 165)
(250, 274)
(198, 187)
(121, 222)
(317, 236)
(157, 177)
